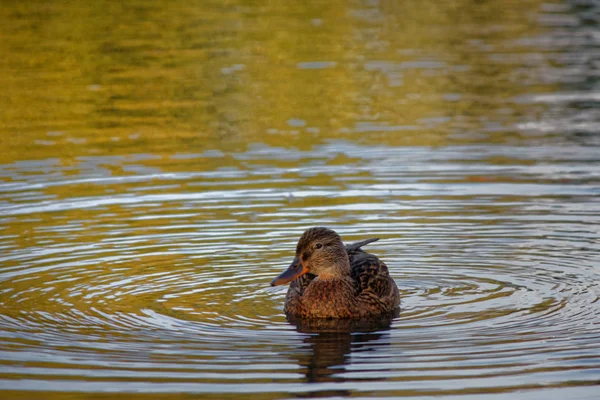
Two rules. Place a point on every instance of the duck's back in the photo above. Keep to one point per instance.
(377, 291)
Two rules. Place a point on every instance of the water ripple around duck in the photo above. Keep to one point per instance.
(165, 288)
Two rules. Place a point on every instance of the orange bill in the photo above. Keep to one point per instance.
(295, 270)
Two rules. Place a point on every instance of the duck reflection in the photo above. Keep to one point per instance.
(331, 343)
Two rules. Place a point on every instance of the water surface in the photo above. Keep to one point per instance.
(160, 161)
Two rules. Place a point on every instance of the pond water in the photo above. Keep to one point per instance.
(160, 160)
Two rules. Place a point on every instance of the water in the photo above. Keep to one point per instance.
(160, 162)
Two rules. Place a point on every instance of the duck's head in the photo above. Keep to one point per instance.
(320, 251)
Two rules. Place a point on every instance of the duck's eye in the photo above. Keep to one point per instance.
(318, 246)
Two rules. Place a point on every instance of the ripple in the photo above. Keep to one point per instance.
(156, 292)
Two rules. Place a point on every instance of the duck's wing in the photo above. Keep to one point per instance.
(377, 291)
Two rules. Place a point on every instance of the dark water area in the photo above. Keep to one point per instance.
(160, 160)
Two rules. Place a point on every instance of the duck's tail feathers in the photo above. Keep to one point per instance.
(356, 246)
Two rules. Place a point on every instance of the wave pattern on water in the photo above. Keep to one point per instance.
(164, 287)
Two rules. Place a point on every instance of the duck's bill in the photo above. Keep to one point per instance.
(294, 271)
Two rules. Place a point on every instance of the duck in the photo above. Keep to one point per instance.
(331, 280)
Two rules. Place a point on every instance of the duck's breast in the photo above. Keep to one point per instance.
(329, 299)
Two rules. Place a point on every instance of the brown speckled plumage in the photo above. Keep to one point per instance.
(331, 280)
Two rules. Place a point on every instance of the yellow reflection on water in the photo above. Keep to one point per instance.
(103, 77)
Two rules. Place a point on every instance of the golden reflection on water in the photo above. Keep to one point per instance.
(109, 78)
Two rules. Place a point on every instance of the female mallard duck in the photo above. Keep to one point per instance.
(330, 280)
